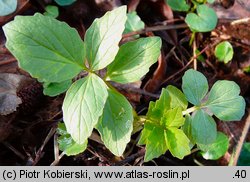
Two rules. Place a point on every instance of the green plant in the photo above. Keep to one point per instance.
(205, 18)
(53, 53)
(224, 51)
(7, 7)
(52, 11)
(65, 2)
(244, 159)
(166, 128)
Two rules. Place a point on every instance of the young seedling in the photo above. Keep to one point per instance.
(224, 52)
(169, 126)
(54, 53)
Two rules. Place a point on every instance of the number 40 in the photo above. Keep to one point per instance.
(241, 174)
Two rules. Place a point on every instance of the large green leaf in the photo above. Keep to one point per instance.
(134, 59)
(194, 86)
(54, 89)
(157, 109)
(102, 38)
(178, 99)
(48, 49)
(156, 144)
(224, 101)
(7, 7)
(177, 142)
(67, 144)
(178, 5)
(116, 123)
(133, 23)
(83, 105)
(217, 149)
(204, 21)
(203, 128)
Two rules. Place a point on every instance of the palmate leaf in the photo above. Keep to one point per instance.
(161, 130)
(102, 38)
(48, 49)
(116, 123)
(83, 105)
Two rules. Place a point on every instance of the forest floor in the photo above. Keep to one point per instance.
(27, 136)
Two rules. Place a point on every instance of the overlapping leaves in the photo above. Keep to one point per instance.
(162, 128)
(54, 53)
(223, 101)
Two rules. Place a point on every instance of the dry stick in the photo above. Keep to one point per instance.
(192, 59)
(56, 147)
(130, 158)
(9, 61)
(155, 28)
(19, 154)
(194, 53)
(57, 161)
(39, 153)
(242, 139)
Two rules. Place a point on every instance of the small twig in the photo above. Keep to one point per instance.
(194, 53)
(173, 162)
(55, 162)
(155, 29)
(56, 147)
(133, 89)
(191, 60)
(178, 72)
(130, 158)
(9, 146)
(9, 61)
(242, 139)
(39, 152)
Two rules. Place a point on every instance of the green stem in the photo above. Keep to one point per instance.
(189, 110)
(192, 39)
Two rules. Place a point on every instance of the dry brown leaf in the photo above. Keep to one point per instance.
(9, 85)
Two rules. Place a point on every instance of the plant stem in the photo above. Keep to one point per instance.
(154, 29)
(189, 110)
